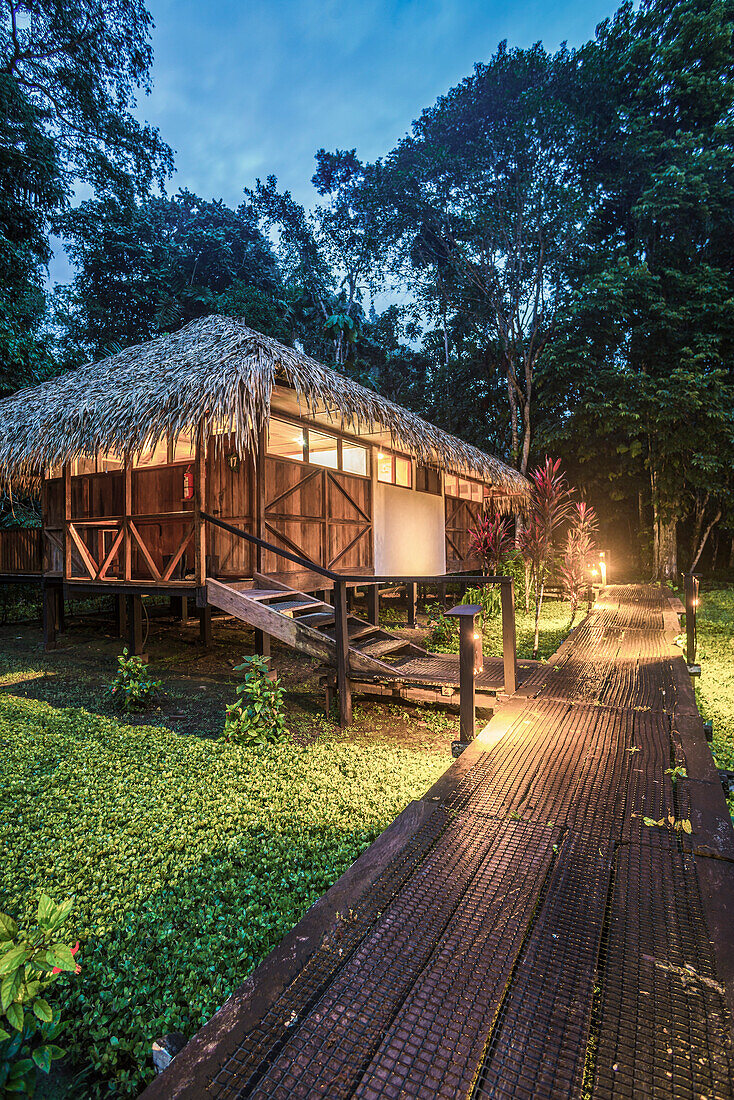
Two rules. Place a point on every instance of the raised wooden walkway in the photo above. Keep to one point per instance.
(540, 924)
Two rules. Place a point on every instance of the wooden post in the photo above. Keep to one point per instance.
(205, 625)
(199, 507)
(691, 595)
(341, 635)
(373, 604)
(127, 568)
(467, 615)
(135, 625)
(412, 604)
(67, 520)
(509, 636)
(262, 643)
(60, 612)
(259, 460)
(50, 605)
(121, 616)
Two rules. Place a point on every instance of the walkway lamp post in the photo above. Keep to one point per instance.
(691, 586)
(470, 663)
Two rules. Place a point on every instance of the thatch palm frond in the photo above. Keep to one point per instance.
(212, 371)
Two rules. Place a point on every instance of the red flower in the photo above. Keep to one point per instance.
(57, 969)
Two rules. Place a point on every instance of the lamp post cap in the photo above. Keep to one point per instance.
(465, 609)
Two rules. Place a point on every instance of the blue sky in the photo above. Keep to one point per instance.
(245, 89)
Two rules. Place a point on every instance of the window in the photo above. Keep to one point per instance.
(152, 455)
(451, 483)
(354, 458)
(285, 440)
(477, 491)
(184, 449)
(323, 450)
(463, 487)
(394, 469)
(108, 461)
(427, 479)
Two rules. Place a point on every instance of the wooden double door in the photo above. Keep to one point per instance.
(323, 514)
(461, 517)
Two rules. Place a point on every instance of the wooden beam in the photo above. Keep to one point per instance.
(135, 625)
(412, 603)
(341, 636)
(50, 605)
(205, 625)
(373, 604)
(509, 636)
(67, 520)
(87, 559)
(127, 567)
(199, 507)
(154, 570)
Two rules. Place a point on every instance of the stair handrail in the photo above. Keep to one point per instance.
(297, 558)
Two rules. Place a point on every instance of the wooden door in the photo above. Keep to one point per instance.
(461, 516)
(321, 514)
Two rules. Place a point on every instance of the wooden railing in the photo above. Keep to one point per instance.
(340, 582)
(103, 549)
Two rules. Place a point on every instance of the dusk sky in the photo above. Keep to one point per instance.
(242, 90)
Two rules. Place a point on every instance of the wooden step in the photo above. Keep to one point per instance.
(262, 595)
(356, 628)
(288, 607)
(383, 646)
(317, 618)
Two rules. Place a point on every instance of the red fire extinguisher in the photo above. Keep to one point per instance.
(188, 483)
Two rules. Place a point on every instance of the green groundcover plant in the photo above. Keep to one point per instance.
(189, 860)
(31, 960)
(257, 717)
(133, 688)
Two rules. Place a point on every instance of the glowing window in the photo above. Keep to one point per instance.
(464, 489)
(153, 455)
(354, 458)
(108, 461)
(285, 440)
(403, 471)
(323, 449)
(477, 492)
(184, 449)
(385, 468)
(451, 483)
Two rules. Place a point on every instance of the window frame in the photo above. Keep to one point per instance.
(306, 427)
(393, 456)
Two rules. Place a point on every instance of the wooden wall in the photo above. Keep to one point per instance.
(322, 514)
(461, 515)
(21, 551)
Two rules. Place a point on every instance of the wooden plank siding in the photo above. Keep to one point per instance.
(21, 551)
(461, 516)
(323, 514)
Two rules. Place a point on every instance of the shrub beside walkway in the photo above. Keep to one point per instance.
(552, 919)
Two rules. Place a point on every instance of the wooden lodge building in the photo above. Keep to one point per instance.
(139, 459)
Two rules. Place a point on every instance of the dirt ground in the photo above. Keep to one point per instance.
(197, 683)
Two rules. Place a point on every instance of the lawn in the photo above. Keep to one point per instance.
(188, 859)
(715, 688)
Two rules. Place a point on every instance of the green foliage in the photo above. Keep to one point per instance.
(444, 633)
(189, 859)
(258, 715)
(715, 688)
(148, 267)
(132, 688)
(486, 596)
(31, 960)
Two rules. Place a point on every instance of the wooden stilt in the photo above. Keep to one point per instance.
(120, 616)
(412, 604)
(205, 625)
(135, 625)
(373, 604)
(50, 606)
(341, 635)
(262, 643)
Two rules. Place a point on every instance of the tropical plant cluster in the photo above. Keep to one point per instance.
(257, 717)
(133, 687)
(189, 860)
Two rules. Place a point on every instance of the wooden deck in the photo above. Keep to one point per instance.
(540, 925)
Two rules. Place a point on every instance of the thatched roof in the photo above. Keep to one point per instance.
(212, 370)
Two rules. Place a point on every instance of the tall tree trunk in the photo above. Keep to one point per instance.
(667, 549)
(704, 537)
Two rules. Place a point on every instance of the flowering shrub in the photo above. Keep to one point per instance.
(257, 717)
(132, 687)
(492, 540)
(31, 961)
(575, 562)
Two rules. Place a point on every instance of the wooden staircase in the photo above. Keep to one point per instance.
(307, 624)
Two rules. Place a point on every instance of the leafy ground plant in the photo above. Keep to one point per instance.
(258, 715)
(31, 961)
(133, 688)
(188, 861)
(715, 687)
